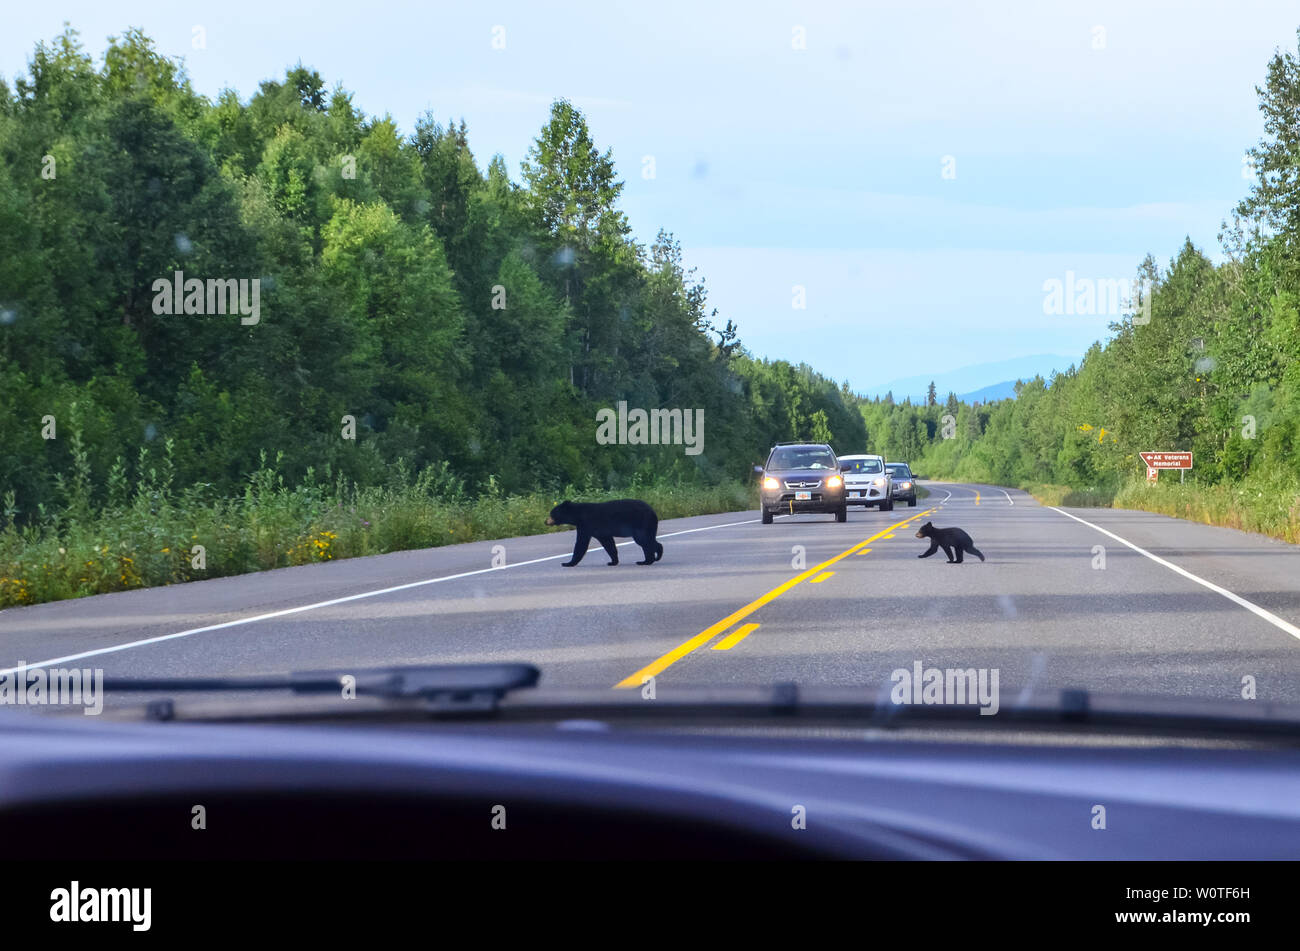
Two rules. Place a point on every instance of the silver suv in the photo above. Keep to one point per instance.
(867, 482)
(801, 477)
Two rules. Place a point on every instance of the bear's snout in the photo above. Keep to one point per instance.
(919, 535)
(549, 520)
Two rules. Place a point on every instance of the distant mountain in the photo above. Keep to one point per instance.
(989, 394)
(971, 382)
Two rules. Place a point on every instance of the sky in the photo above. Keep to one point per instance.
(881, 190)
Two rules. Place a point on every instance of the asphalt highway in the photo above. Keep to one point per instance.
(1109, 600)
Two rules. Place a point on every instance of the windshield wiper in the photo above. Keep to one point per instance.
(451, 689)
(494, 691)
(870, 707)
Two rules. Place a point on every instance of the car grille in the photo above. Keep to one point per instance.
(805, 484)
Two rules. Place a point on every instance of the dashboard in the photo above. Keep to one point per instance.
(126, 790)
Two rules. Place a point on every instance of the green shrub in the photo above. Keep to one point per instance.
(149, 540)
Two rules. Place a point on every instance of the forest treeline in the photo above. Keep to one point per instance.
(1210, 363)
(470, 323)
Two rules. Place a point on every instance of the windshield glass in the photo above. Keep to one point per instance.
(802, 459)
(314, 361)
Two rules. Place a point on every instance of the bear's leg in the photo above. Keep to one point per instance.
(659, 551)
(610, 548)
(934, 546)
(947, 551)
(579, 549)
(975, 551)
(959, 554)
(647, 547)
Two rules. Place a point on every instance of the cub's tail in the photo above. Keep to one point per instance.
(659, 551)
(975, 551)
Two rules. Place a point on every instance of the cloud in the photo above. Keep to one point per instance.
(879, 314)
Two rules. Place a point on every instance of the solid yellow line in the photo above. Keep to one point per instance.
(735, 637)
(706, 635)
(822, 577)
(977, 496)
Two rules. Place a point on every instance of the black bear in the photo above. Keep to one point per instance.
(948, 539)
(605, 521)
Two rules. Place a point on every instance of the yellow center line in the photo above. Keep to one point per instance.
(735, 637)
(706, 635)
(822, 577)
(977, 496)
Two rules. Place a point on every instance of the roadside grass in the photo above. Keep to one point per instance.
(1048, 494)
(157, 536)
(1267, 506)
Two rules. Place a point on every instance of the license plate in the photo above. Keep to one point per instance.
(858, 495)
(803, 496)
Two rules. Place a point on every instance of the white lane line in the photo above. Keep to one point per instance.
(324, 604)
(1008, 495)
(1235, 598)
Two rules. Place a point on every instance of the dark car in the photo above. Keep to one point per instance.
(904, 482)
(801, 477)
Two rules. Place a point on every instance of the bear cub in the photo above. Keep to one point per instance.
(605, 521)
(948, 539)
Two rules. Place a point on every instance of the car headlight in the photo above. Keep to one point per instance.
(907, 485)
(770, 483)
(834, 482)
(879, 482)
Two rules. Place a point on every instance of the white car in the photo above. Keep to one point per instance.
(867, 482)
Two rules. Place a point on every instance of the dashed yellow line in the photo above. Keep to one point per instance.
(699, 640)
(822, 577)
(977, 496)
(735, 637)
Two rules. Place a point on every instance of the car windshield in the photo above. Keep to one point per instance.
(318, 351)
(802, 459)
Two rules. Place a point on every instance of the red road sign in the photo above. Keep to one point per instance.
(1167, 460)
(1152, 474)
